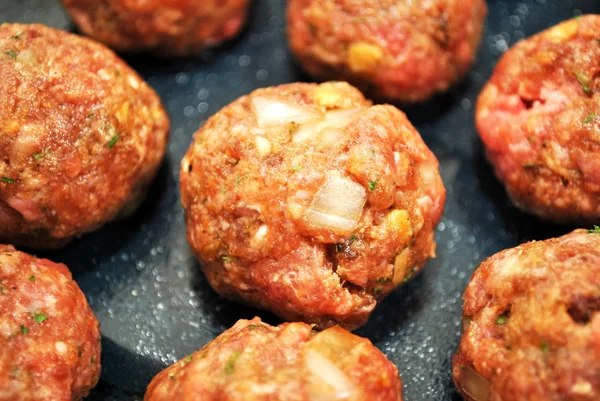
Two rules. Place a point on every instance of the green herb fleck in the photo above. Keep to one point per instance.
(502, 319)
(584, 81)
(11, 54)
(24, 330)
(8, 180)
(113, 141)
(90, 116)
(377, 290)
(226, 258)
(545, 347)
(384, 280)
(32, 278)
(409, 276)
(230, 366)
(37, 156)
(18, 35)
(254, 326)
(590, 118)
(373, 152)
(353, 238)
(297, 168)
(188, 359)
(372, 185)
(462, 367)
(39, 317)
(223, 191)
(595, 230)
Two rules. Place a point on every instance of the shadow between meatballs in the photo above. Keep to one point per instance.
(110, 239)
(524, 226)
(225, 311)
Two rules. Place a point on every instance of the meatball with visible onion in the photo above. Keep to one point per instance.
(399, 50)
(532, 323)
(49, 337)
(164, 27)
(305, 200)
(538, 117)
(253, 361)
(81, 136)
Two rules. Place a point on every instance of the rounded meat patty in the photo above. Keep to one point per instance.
(164, 27)
(253, 361)
(49, 337)
(539, 118)
(305, 200)
(81, 136)
(532, 323)
(397, 50)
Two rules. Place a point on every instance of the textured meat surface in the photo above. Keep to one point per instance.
(49, 337)
(532, 322)
(539, 119)
(249, 191)
(164, 27)
(253, 361)
(398, 50)
(81, 135)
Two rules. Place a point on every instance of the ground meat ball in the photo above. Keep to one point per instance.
(398, 50)
(49, 337)
(164, 27)
(81, 136)
(305, 200)
(532, 327)
(253, 361)
(538, 117)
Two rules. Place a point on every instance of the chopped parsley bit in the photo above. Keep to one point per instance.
(409, 276)
(32, 278)
(230, 366)
(188, 359)
(297, 168)
(223, 191)
(254, 326)
(502, 319)
(384, 280)
(226, 258)
(595, 230)
(8, 180)
(462, 367)
(353, 238)
(39, 317)
(377, 290)
(18, 35)
(37, 156)
(11, 54)
(24, 330)
(90, 116)
(372, 185)
(584, 81)
(373, 152)
(528, 165)
(113, 141)
(590, 118)
(545, 347)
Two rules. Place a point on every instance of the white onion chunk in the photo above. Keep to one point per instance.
(269, 111)
(330, 383)
(337, 205)
(333, 119)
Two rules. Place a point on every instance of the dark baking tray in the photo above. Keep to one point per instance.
(145, 287)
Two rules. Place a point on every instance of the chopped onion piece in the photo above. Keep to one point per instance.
(475, 385)
(337, 205)
(334, 342)
(333, 119)
(329, 383)
(269, 111)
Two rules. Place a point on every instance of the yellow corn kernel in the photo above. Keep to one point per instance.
(123, 113)
(364, 57)
(401, 266)
(327, 95)
(563, 31)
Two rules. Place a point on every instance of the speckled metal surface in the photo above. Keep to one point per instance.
(141, 280)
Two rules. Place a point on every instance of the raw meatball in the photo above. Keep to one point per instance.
(253, 361)
(400, 50)
(164, 27)
(531, 323)
(539, 119)
(305, 200)
(49, 337)
(81, 136)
